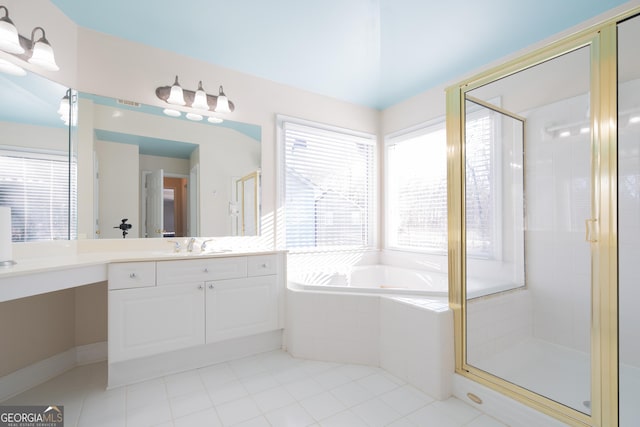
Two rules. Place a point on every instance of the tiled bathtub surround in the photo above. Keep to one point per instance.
(411, 338)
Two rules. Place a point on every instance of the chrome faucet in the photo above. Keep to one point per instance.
(203, 246)
(176, 245)
(192, 240)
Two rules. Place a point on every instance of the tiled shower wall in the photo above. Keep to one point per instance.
(557, 195)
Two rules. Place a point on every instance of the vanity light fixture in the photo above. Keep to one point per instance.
(9, 37)
(223, 102)
(200, 99)
(36, 51)
(176, 95)
(196, 105)
(42, 52)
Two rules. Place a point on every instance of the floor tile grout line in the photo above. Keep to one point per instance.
(275, 369)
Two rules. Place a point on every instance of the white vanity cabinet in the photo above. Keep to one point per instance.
(191, 302)
(147, 321)
(239, 307)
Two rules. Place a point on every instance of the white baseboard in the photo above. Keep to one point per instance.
(91, 353)
(30, 376)
(144, 368)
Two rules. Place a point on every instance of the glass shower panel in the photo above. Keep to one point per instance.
(527, 196)
(629, 220)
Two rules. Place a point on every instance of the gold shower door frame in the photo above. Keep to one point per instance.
(601, 38)
(241, 184)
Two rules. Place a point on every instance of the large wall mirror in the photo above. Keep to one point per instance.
(37, 159)
(168, 176)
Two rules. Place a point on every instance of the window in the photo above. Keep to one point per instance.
(328, 177)
(36, 187)
(416, 188)
(482, 175)
(416, 169)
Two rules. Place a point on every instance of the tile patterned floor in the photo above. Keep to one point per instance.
(267, 390)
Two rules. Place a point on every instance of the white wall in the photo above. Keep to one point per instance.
(169, 165)
(31, 136)
(119, 189)
(86, 173)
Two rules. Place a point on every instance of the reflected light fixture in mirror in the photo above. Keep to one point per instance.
(35, 51)
(196, 105)
(64, 110)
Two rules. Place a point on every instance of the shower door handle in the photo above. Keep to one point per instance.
(590, 230)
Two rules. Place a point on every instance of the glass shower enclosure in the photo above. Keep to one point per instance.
(533, 208)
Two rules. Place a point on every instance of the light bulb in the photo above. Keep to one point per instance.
(200, 99)
(176, 97)
(9, 38)
(222, 106)
(42, 52)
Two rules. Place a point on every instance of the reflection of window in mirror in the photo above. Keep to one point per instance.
(37, 179)
(33, 184)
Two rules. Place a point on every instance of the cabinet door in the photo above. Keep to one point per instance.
(148, 321)
(241, 307)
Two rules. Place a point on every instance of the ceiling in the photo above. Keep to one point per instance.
(369, 52)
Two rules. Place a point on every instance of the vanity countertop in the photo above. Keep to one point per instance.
(47, 273)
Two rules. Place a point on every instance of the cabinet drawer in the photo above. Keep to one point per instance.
(199, 270)
(127, 275)
(262, 265)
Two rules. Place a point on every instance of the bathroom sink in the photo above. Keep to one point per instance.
(214, 251)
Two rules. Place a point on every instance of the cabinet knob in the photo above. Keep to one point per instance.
(201, 287)
(265, 265)
(132, 275)
(210, 286)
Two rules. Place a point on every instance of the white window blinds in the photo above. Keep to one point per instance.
(417, 190)
(36, 187)
(328, 188)
(480, 197)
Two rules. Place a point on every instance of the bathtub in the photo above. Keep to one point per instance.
(386, 279)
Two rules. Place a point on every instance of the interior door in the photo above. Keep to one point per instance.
(154, 202)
